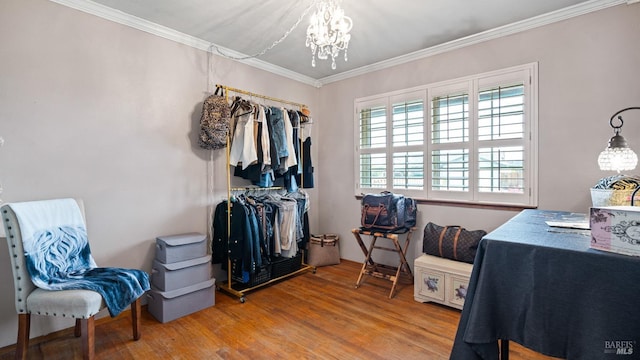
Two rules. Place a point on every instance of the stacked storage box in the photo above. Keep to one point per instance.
(181, 281)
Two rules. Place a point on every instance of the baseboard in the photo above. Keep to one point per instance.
(67, 332)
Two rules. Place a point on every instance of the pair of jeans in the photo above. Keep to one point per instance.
(277, 135)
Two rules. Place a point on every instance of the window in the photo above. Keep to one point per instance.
(407, 142)
(373, 142)
(466, 140)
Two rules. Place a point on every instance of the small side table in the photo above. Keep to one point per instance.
(382, 271)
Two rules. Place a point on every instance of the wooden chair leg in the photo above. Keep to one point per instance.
(77, 331)
(136, 319)
(24, 324)
(88, 338)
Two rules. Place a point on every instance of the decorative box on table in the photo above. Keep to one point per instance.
(616, 229)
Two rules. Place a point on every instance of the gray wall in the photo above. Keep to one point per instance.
(97, 110)
(589, 68)
(101, 111)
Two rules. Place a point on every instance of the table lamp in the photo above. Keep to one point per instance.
(618, 156)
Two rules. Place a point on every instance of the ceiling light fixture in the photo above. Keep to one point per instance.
(618, 156)
(328, 32)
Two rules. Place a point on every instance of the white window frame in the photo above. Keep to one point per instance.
(471, 85)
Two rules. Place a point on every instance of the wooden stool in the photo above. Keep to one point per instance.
(382, 271)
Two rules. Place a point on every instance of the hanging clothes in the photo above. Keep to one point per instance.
(219, 228)
(305, 177)
(288, 227)
(243, 144)
(278, 133)
(264, 138)
(268, 145)
(290, 159)
(242, 241)
(263, 228)
(295, 123)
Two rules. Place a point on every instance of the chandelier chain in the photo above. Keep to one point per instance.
(274, 44)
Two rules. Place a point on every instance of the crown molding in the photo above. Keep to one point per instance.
(135, 22)
(173, 35)
(532, 23)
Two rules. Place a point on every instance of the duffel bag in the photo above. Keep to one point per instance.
(387, 212)
(451, 242)
(410, 212)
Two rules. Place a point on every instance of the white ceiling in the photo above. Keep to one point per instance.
(383, 31)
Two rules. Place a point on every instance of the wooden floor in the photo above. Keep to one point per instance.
(310, 316)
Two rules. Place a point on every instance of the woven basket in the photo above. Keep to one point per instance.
(285, 266)
(324, 250)
(611, 197)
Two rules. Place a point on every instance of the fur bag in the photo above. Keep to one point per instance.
(214, 122)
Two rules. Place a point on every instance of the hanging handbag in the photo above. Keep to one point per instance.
(214, 121)
(451, 242)
(323, 250)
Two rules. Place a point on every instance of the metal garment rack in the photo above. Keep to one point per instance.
(239, 91)
(228, 286)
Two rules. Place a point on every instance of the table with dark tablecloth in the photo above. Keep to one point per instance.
(544, 288)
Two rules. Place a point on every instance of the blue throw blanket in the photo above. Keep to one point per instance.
(58, 256)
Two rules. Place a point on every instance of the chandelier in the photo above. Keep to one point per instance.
(328, 32)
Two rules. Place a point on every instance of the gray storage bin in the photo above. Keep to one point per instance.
(174, 248)
(167, 277)
(170, 305)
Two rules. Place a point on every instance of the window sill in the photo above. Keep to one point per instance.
(492, 206)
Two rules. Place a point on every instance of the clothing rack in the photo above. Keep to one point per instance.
(228, 286)
(239, 91)
(240, 292)
(251, 188)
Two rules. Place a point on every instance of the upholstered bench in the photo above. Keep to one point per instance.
(441, 280)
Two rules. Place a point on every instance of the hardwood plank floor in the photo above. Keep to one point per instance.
(310, 316)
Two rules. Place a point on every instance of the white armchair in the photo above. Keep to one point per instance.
(81, 305)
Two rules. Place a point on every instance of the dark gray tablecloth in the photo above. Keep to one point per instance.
(544, 288)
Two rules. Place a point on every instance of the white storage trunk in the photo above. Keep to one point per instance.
(170, 305)
(441, 280)
(175, 248)
(167, 277)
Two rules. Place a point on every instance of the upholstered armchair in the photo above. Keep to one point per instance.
(79, 304)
